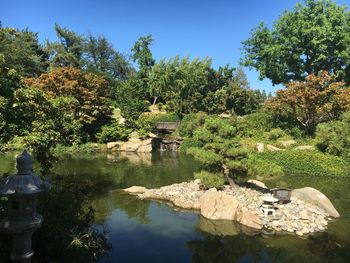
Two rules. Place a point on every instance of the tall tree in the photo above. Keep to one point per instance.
(143, 56)
(314, 36)
(22, 52)
(68, 51)
(101, 57)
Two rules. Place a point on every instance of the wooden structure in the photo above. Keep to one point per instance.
(282, 194)
(167, 126)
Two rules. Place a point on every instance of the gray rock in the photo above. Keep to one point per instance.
(311, 195)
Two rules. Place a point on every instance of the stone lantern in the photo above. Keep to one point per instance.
(22, 220)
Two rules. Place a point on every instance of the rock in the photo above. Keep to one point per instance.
(259, 147)
(152, 135)
(305, 147)
(313, 196)
(136, 190)
(113, 145)
(257, 183)
(248, 218)
(303, 215)
(145, 147)
(272, 148)
(287, 143)
(218, 205)
(130, 146)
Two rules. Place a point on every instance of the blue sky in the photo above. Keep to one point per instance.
(198, 28)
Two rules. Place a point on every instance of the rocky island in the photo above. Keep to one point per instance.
(308, 210)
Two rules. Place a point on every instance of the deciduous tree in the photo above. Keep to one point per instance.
(317, 99)
(314, 36)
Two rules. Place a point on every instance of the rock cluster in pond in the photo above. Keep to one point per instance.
(243, 205)
(144, 146)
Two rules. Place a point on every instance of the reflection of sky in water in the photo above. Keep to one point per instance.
(163, 239)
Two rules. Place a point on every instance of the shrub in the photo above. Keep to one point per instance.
(275, 134)
(210, 180)
(190, 123)
(334, 137)
(189, 143)
(254, 124)
(113, 132)
(207, 158)
(306, 162)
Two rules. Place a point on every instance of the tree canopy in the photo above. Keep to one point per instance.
(314, 36)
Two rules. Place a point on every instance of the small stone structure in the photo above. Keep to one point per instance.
(22, 220)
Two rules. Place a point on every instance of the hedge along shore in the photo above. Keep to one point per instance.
(241, 204)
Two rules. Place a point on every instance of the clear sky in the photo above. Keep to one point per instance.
(198, 28)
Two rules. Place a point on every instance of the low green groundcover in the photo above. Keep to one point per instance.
(312, 163)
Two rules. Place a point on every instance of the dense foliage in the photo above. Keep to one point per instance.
(307, 162)
(315, 100)
(210, 180)
(334, 137)
(314, 36)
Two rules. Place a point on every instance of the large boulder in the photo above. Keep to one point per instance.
(218, 205)
(114, 145)
(145, 147)
(130, 146)
(248, 218)
(313, 196)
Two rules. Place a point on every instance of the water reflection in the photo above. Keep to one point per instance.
(147, 231)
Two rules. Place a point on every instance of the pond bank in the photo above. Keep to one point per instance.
(240, 204)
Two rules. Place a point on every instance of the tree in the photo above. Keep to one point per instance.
(312, 37)
(143, 55)
(131, 100)
(87, 92)
(22, 52)
(317, 99)
(218, 148)
(68, 51)
(101, 57)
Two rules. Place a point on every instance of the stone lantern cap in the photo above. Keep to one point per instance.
(25, 182)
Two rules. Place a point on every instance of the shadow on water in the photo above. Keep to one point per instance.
(147, 231)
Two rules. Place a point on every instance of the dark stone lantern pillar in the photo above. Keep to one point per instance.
(22, 220)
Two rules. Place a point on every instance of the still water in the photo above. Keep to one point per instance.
(148, 231)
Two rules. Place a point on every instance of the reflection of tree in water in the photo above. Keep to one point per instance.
(131, 205)
(328, 247)
(243, 248)
(226, 249)
(65, 235)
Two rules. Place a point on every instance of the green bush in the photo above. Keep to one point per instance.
(210, 180)
(307, 162)
(207, 158)
(189, 143)
(334, 137)
(275, 134)
(113, 132)
(190, 123)
(254, 124)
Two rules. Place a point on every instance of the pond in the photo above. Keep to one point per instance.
(148, 231)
